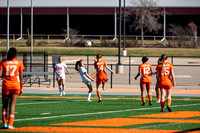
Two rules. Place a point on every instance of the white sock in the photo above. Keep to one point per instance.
(59, 89)
(89, 95)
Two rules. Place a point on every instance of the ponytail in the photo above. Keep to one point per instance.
(77, 65)
(164, 58)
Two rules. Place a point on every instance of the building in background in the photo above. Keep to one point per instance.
(89, 17)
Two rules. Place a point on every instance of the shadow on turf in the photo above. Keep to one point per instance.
(188, 131)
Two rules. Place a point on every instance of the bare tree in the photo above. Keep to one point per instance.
(193, 28)
(72, 36)
(72, 32)
(180, 32)
(147, 16)
(186, 35)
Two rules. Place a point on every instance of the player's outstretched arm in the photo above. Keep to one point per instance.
(110, 70)
(55, 70)
(21, 81)
(137, 74)
(88, 76)
(68, 72)
(173, 78)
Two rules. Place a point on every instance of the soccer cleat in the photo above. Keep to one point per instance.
(169, 108)
(150, 102)
(88, 100)
(11, 127)
(60, 93)
(162, 110)
(5, 126)
(99, 100)
(103, 88)
(158, 101)
(63, 92)
(143, 104)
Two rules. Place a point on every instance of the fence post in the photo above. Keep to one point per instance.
(48, 39)
(172, 60)
(111, 78)
(87, 63)
(25, 61)
(44, 61)
(129, 69)
(31, 62)
(54, 77)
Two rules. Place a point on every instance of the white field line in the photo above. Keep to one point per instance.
(46, 102)
(183, 76)
(95, 113)
(45, 113)
(159, 125)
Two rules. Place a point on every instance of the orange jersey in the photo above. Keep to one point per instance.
(165, 73)
(145, 70)
(11, 73)
(99, 66)
(100, 73)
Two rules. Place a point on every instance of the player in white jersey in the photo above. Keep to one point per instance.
(59, 69)
(85, 77)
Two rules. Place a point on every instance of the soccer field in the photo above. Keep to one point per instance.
(119, 114)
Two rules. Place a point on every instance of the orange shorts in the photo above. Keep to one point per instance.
(142, 82)
(145, 83)
(10, 91)
(165, 86)
(101, 79)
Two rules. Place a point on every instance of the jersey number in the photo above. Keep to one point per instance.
(100, 68)
(146, 70)
(166, 71)
(12, 68)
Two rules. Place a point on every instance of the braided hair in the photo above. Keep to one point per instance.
(164, 58)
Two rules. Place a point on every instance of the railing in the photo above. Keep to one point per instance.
(186, 68)
(60, 38)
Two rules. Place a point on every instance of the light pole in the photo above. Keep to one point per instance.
(8, 24)
(124, 52)
(119, 65)
(31, 35)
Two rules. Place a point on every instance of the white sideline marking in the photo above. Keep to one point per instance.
(183, 76)
(95, 113)
(159, 125)
(45, 113)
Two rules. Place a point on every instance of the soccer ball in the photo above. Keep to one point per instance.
(88, 43)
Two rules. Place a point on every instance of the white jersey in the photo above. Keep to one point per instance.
(60, 69)
(85, 79)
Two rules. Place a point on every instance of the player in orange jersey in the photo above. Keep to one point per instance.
(11, 69)
(157, 87)
(101, 75)
(145, 70)
(166, 77)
